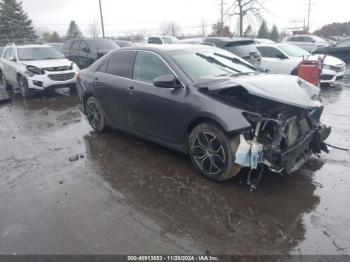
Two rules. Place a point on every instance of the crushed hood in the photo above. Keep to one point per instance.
(285, 89)
(48, 63)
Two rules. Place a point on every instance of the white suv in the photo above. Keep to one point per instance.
(36, 67)
(308, 42)
(285, 58)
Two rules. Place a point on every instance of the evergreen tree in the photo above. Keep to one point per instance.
(275, 35)
(263, 31)
(15, 24)
(51, 37)
(73, 30)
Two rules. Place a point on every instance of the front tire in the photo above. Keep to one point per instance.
(212, 152)
(95, 114)
(6, 84)
(24, 88)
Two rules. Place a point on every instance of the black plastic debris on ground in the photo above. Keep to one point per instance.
(4, 97)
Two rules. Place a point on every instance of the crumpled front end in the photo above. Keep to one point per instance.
(282, 136)
(287, 140)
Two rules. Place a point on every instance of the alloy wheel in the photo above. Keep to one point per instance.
(208, 153)
(94, 115)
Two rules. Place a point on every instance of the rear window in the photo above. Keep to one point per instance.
(155, 40)
(242, 49)
(102, 44)
(169, 39)
(120, 64)
(75, 45)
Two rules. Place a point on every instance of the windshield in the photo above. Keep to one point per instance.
(319, 39)
(38, 53)
(211, 62)
(102, 44)
(294, 51)
(169, 40)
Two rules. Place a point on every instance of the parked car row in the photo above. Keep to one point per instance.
(283, 58)
(86, 51)
(340, 50)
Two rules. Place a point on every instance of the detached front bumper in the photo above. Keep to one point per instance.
(52, 80)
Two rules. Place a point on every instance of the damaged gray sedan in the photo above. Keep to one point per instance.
(204, 101)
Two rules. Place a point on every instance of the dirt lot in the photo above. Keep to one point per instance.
(67, 190)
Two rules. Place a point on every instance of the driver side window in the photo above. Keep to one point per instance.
(149, 66)
(269, 52)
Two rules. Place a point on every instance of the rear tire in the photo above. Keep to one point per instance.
(212, 152)
(95, 114)
(24, 88)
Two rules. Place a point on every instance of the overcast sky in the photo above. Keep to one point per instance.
(131, 16)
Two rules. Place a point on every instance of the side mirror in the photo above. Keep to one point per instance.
(13, 59)
(86, 49)
(166, 81)
(282, 56)
(313, 41)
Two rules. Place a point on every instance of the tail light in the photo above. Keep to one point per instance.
(78, 76)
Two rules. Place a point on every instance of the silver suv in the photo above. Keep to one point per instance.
(307, 42)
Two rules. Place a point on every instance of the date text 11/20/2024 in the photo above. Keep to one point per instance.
(173, 258)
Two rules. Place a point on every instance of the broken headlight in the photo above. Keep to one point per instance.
(312, 91)
(33, 70)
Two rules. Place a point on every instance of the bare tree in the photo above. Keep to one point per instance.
(170, 29)
(245, 8)
(94, 28)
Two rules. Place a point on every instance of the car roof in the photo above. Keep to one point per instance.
(228, 39)
(160, 36)
(166, 48)
(273, 44)
(30, 46)
(87, 39)
(192, 39)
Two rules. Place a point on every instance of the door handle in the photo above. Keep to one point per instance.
(96, 82)
(131, 90)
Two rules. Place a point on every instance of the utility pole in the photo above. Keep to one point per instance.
(308, 15)
(221, 18)
(203, 28)
(103, 27)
